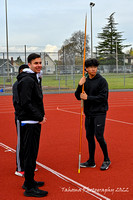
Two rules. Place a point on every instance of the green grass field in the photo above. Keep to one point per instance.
(119, 81)
(115, 81)
(70, 82)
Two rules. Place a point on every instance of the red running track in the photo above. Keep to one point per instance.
(58, 152)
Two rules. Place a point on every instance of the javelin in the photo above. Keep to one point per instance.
(81, 114)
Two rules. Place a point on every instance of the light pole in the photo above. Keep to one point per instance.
(91, 5)
(25, 52)
(7, 41)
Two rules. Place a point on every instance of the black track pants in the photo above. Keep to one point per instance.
(95, 127)
(31, 145)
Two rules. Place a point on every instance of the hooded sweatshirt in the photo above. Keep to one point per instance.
(97, 96)
(30, 97)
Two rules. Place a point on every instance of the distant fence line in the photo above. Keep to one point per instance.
(63, 73)
(58, 83)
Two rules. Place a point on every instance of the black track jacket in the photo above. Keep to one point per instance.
(15, 99)
(30, 97)
(97, 96)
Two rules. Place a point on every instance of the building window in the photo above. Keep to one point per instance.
(49, 69)
(46, 62)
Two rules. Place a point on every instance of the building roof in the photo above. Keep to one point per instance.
(5, 63)
(2, 61)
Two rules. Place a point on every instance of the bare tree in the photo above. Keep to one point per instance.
(74, 47)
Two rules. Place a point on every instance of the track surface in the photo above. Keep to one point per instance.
(58, 151)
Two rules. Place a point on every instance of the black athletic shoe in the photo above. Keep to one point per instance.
(105, 165)
(37, 184)
(35, 192)
(88, 163)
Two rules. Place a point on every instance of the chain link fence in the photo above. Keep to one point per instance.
(61, 73)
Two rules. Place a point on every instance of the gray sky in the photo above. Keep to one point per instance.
(47, 23)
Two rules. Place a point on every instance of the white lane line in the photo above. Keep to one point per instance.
(113, 120)
(75, 183)
(68, 111)
(63, 177)
(7, 148)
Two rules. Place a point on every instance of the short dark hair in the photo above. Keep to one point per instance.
(91, 62)
(22, 67)
(33, 56)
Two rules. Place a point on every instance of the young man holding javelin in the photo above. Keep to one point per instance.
(95, 98)
(32, 116)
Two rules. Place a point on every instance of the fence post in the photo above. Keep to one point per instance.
(12, 79)
(4, 83)
(59, 83)
(73, 71)
(74, 81)
(124, 69)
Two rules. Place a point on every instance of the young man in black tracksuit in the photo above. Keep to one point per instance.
(31, 115)
(95, 98)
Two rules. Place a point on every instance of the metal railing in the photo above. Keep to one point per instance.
(64, 75)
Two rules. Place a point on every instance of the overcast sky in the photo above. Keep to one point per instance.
(47, 23)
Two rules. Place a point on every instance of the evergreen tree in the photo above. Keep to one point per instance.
(111, 39)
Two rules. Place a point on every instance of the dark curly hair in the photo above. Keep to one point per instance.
(22, 67)
(91, 62)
